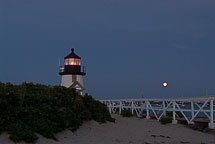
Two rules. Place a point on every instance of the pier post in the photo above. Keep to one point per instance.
(110, 109)
(120, 107)
(211, 125)
(174, 121)
(147, 110)
(132, 107)
(192, 111)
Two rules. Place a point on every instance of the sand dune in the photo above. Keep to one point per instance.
(128, 131)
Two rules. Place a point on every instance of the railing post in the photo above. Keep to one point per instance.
(211, 125)
(120, 107)
(109, 106)
(174, 121)
(164, 111)
(147, 109)
(132, 107)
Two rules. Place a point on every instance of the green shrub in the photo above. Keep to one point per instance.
(169, 114)
(28, 109)
(19, 131)
(99, 112)
(166, 120)
(126, 113)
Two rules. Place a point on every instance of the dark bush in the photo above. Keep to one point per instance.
(96, 110)
(28, 109)
(166, 120)
(126, 113)
(169, 114)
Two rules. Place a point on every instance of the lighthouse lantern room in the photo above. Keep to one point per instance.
(72, 73)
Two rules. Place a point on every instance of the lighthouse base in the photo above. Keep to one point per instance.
(73, 81)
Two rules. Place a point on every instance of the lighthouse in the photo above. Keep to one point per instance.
(72, 73)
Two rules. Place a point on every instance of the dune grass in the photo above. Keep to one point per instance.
(29, 108)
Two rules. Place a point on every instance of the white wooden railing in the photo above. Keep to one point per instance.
(190, 108)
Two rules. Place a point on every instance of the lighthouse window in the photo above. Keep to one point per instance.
(66, 62)
(72, 61)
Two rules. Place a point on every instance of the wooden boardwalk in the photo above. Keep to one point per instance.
(191, 110)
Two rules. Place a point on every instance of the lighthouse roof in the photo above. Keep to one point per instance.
(72, 55)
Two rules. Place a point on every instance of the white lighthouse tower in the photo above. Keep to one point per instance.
(72, 73)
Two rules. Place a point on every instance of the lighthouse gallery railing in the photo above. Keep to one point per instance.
(83, 69)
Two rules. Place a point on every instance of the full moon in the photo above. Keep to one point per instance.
(165, 84)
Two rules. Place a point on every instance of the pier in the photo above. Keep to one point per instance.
(191, 110)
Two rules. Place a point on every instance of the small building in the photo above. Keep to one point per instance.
(72, 73)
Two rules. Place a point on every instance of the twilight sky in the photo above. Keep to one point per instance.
(128, 46)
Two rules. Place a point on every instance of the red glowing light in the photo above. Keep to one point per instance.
(72, 61)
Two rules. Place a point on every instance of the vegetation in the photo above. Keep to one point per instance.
(126, 113)
(166, 120)
(28, 109)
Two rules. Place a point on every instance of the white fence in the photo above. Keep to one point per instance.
(190, 108)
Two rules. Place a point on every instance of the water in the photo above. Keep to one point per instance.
(189, 114)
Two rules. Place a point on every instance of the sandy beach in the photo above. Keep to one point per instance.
(127, 131)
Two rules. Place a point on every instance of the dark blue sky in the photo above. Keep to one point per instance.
(129, 46)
